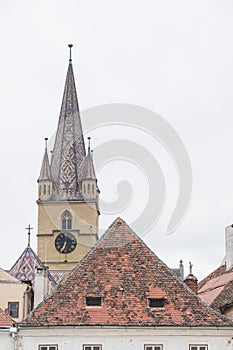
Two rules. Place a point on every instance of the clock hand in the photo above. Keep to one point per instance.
(63, 247)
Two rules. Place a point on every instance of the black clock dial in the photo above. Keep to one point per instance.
(65, 242)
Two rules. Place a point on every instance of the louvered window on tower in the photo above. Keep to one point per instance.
(66, 220)
(93, 301)
(156, 302)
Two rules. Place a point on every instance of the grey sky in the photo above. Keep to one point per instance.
(174, 57)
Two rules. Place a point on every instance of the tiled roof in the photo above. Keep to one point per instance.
(124, 272)
(69, 148)
(5, 320)
(217, 289)
(218, 272)
(24, 267)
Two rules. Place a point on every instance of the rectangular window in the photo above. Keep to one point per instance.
(48, 347)
(157, 302)
(153, 347)
(92, 347)
(93, 301)
(198, 347)
(13, 309)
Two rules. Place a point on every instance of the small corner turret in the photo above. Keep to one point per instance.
(87, 174)
(45, 183)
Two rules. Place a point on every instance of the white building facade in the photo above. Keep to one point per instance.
(104, 338)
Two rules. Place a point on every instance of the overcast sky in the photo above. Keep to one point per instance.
(173, 57)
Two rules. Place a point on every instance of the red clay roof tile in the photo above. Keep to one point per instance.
(5, 320)
(217, 288)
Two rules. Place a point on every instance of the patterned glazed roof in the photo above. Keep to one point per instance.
(5, 320)
(69, 148)
(124, 272)
(58, 275)
(45, 173)
(217, 289)
(24, 267)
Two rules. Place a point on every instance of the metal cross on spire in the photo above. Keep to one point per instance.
(70, 46)
(29, 228)
(89, 144)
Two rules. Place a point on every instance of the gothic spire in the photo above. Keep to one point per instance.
(45, 173)
(69, 148)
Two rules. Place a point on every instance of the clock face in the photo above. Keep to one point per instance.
(65, 242)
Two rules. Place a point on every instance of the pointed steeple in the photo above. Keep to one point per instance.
(69, 148)
(45, 173)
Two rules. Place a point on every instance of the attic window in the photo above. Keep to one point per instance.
(156, 302)
(93, 301)
(13, 309)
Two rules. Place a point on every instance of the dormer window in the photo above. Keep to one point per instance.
(93, 301)
(157, 302)
(66, 220)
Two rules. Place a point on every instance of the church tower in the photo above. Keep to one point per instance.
(68, 194)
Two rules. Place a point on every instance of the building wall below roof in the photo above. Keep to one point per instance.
(13, 292)
(125, 339)
(6, 341)
(229, 312)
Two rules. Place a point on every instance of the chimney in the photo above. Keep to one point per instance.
(191, 280)
(41, 284)
(229, 246)
(181, 269)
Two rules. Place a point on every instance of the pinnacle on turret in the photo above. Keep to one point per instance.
(45, 173)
